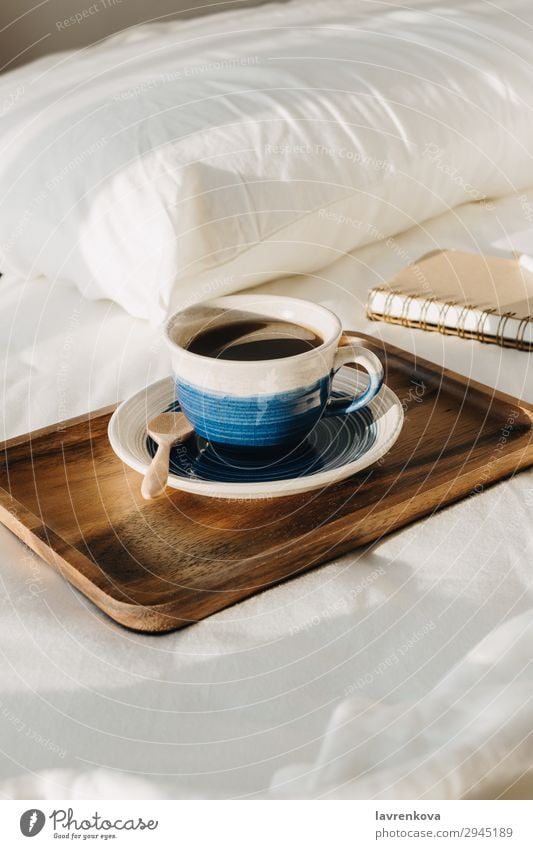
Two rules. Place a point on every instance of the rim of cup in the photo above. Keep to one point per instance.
(243, 301)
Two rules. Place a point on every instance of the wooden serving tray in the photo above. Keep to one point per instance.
(156, 566)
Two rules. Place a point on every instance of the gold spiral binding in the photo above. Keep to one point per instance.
(480, 329)
(520, 344)
(369, 310)
(404, 315)
(424, 313)
(461, 321)
(479, 332)
(504, 318)
(443, 312)
(388, 301)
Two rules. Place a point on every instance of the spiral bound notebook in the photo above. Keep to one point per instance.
(462, 294)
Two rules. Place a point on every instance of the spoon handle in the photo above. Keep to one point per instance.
(156, 477)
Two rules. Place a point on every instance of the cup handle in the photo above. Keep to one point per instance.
(353, 353)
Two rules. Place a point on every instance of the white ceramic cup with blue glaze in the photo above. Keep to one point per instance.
(268, 402)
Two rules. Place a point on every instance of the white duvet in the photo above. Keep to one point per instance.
(403, 671)
(178, 160)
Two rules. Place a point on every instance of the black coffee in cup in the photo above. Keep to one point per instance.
(252, 337)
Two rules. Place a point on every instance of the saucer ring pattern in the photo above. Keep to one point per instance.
(337, 447)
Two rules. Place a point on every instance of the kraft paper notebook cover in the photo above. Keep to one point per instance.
(463, 294)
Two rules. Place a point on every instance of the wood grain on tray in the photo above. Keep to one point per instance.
(156, 566)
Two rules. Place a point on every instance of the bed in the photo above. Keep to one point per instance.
(399, 671)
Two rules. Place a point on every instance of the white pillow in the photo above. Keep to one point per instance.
(180, 160)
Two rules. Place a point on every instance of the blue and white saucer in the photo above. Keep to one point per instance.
(338, 447)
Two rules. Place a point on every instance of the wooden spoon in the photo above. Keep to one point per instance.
(166, 429)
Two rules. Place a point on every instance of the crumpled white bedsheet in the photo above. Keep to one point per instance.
(400, 671)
